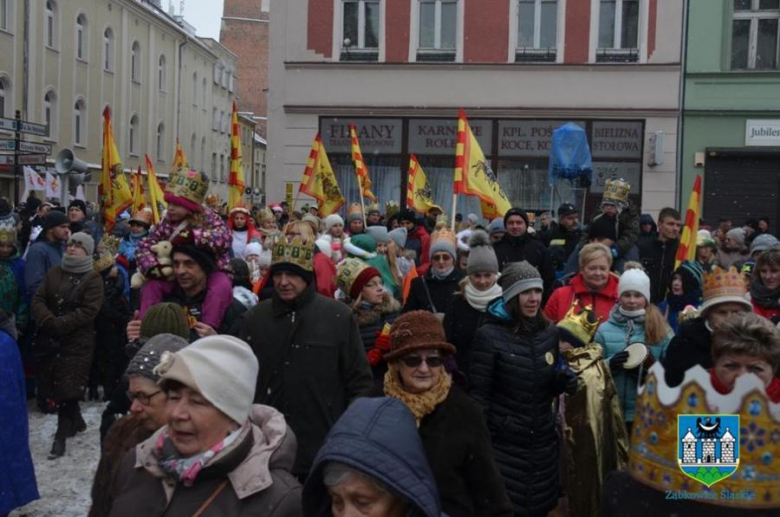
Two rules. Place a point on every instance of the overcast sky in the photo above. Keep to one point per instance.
(204, 15)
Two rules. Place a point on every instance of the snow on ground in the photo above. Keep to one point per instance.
(64, 483)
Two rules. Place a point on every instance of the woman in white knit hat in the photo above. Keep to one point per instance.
(218, 454)
(634, 320)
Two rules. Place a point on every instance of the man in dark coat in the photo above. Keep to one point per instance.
(658, 255)
(518, 245)
(313, 361)
(47, 250)
(563, 238)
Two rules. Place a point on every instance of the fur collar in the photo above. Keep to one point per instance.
(388, 306)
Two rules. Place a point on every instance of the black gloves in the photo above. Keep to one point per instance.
(618, 360)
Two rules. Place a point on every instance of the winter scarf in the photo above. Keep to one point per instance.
(420, 404)
(480, 299)
(441, 276)
(186, 470)
(76, 265)
(772, 391)
(678, 302)
(627, 318)
(763, 296)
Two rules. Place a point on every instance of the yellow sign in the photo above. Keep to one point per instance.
(289, 196)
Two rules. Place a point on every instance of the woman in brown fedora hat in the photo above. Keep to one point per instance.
(452, 426)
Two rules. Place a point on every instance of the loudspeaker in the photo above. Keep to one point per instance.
(77, 170)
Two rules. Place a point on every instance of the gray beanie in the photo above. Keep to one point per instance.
(482, 258)
(444, 240)
(738, 234)
(473, 219)
(379, 233)
(764, 242)
(85, 241)
(148, 356)
(496, 226)
(519, 277)
(399, 236)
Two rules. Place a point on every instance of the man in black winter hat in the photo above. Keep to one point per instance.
(565, 236)
(77, 215)
(518, 244)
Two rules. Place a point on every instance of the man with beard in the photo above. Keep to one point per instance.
(373, 215)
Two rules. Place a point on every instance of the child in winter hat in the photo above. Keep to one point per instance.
(634, 280)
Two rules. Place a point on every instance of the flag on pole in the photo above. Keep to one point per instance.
(139, 196)
(687, 248)
(115, 194)
(319, 181)
(236, 184)
(360, 165)
(53, 185)
(419, 196)
(156, 199)
(473, 175)
(179, 159)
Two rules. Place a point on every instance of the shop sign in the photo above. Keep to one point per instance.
(376, 135)
(528, 137)
(438, 136)
(603, 171)
(614, 139)
(762, 133)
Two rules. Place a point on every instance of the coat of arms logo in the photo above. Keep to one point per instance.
(708, 446)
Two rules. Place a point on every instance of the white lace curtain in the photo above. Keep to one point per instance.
(385, 174)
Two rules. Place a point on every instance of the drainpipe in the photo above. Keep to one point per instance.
(26, 72)
(681, 119)
(178, 86)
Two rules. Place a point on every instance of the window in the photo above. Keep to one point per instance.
(50, 112)
(754, 38)
(108, 49)
(160, 141)
(135, 63)
(161, 83)
(79, 123)
(193, 141)
(202, 153)
(195, 89)
(81, 37)
(217, 74)
(213, 166)
(221, 167)
(214, 119)
(134, 134)
(438, 29)
(203, 94)
(51, 24)
(360, 30)
(3, 92)
(230, 82)
(4, 14)
(618, 31)
(537, 30)
(222, 122)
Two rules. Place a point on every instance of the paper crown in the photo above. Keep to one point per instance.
(373, 207)
(616, 191)
(654, 453)
(391, 208)
(296, 252)
(188, 184)
(266, 214)
(109, 243)
(213, 201)
(103, 261)
(582, 326)
(721, 282)
(445, 234)
(350, 270)
(354, 212)
(143, 216)
(7, 234)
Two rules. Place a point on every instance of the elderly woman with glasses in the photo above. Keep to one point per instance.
(64, 309)
(218, 454)
(452, 426)
(147, 414)
(434, 290)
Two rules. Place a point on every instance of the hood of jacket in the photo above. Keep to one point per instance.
(273, 447)
(379, 437)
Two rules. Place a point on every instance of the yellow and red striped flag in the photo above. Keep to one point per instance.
(473, 175)
(687, 248)
(156, 197)
(419, 196)
(179, 159)
(360, 165)
(114, 191)
(319, 181)
(139, 195)
(236, 183)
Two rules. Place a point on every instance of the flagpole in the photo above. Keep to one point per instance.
(362, 203)
(454, 209)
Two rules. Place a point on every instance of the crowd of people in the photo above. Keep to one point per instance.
(267, 361)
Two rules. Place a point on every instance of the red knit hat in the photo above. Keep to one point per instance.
(417, 330)
(353, 276)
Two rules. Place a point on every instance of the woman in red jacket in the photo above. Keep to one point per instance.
(594, 285)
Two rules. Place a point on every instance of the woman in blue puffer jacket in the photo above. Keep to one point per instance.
(633, 320)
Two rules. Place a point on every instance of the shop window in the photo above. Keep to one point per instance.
(618, 36)
(81, 37)
(108, 50)
(384, 171)
(438, 30)
(537, 31)
(754, 36)
(360, 30)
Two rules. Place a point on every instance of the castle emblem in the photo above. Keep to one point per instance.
(708, 446)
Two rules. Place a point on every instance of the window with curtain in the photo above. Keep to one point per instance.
(618, 36)
(385, 174)
(525, 183)
(754, 37)
(108, 49)
(440, 171)
(360, 30)
(81, 37)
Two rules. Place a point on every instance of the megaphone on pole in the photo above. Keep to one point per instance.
(77, 170)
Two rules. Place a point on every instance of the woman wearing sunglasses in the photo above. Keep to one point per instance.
(452, 426)
(434, 290)
(516, 374)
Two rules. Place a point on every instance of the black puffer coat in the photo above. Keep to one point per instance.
(426, 289)
(691, 346)
(513, 377)
(461, 322)
(658, 259)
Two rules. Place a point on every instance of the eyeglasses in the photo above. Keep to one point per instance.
(444, 257)
(142, 398)
(413, 361)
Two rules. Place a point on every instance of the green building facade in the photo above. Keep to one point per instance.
(731, 109)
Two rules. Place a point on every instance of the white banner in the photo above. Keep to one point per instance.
(53, 185)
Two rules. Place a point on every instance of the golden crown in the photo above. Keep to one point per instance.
(391, 208)
(266, 214)
(373, 207)
(189, 184)
(444, 233)
(583, 325)
(104, 260)
(144, 216)
(355, 209)
(109, 243)
(617, 191)
(296, 252)
(654, 453)
(721, 282)
(7, 234)
(349, 271)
